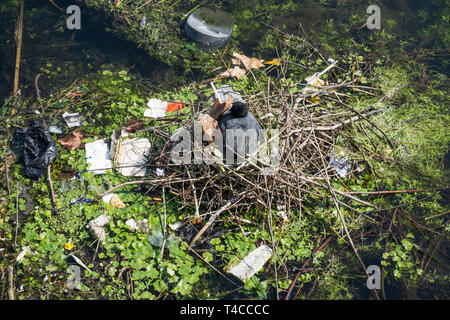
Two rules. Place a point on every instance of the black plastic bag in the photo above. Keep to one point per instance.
(35, 148)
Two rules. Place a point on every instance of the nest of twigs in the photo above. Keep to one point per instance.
(308, 121)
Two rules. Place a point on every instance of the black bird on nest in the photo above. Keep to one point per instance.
(248, 135)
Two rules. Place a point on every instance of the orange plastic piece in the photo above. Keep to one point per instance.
(174, 106)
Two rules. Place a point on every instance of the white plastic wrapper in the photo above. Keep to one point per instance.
(160, 172)
(97, 155)
(73, 119)
(156, 108)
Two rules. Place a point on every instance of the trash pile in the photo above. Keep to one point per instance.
(280, 150)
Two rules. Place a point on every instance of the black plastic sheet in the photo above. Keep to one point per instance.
(35, 148)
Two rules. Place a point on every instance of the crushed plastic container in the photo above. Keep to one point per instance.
(252, 263)
(340, 164)
(225, 91)
(73, 119)
(209, 28)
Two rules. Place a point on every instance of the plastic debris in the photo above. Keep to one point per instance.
(78, 261)
(273, 62)
(23, 253)
(314, 82)
(114, 142)
(81, 200)
(97, 156)
(209, 28)
(225, 91)
(175, 226)
(132, 156)
(160, 172)
(35, 149)
(341, 165)
(114, 200)
(138, 225)
(54, 129)
(143, 23)
(267, 115)
(72, 141)
(281, 210)
(252, 263)
(107, 198)
(175, 106)
(156, 108)
(73, 119)
(96, 226)
(133, 125)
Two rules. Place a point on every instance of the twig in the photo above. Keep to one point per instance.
(397, 191)
(203, 259)
(213, 217)
(438, 215)
(19, 34)
(341, 217)
(7, 175)
(17, 216)
(57, 7)
(10, 282)
(438, 242)
(164, 226)
(155, 181)
(50, 183)
(288, 295)
(196, 202)
(36, 86)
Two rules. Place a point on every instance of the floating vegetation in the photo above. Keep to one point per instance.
(360, 178)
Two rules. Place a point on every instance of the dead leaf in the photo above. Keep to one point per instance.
(249, 63)
(209, 125)
(219, 108)
(72, 141)
(196, 220)
(235, 72)
(116, 202)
